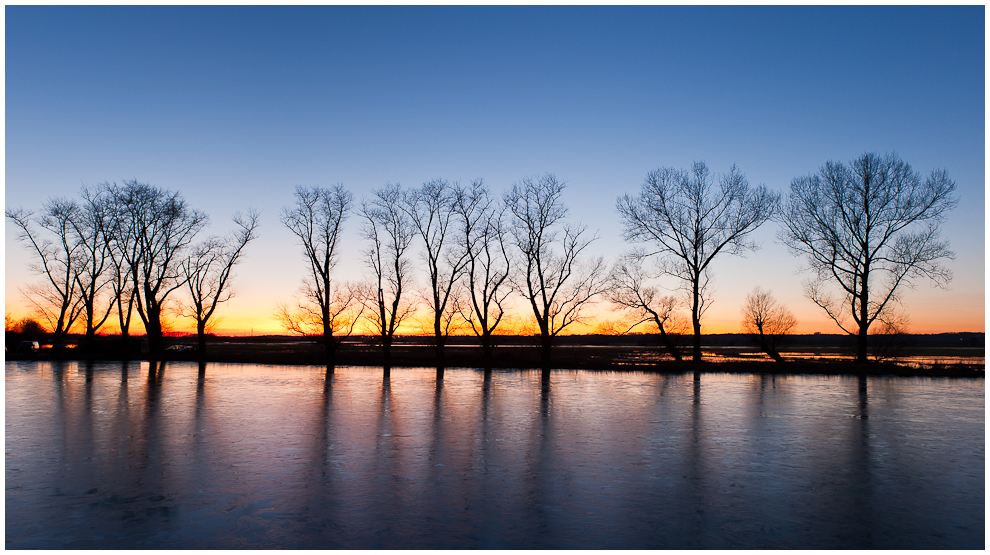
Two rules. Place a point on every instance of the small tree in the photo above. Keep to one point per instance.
(552, 278)
(690, 219)
(481, 238)
(628, 288)
(316, 219)
(869, 227)
(32, 327)
(57, 251)
(390, 232)
(9, 322)
(767, 321)
(207, 272)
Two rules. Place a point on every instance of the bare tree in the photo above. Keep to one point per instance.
(120, 250)
(552, 278)
(316, 219)
(481, 238)
(94, 272)
(390, 232)
(122, 290)
(689, 218)
(628, 288)
(767, 321)
(154, 227)
(57, 252)
(870, 228)
(431, 210)
(207, 271)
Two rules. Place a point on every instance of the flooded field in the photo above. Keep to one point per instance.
(137, 455)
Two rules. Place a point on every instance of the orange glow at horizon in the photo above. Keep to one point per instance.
(244, 321)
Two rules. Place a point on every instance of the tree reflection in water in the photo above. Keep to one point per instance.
(234, 456)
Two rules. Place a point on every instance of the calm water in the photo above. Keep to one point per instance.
(251, 456)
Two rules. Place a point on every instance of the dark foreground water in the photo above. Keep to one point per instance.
(249, 456)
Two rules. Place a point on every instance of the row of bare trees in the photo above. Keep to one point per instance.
(867, 229)
(472, 240)
(126, 247)
(867, 226)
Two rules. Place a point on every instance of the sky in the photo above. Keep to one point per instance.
(236, 106)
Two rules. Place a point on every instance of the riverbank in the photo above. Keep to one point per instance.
(593, 353)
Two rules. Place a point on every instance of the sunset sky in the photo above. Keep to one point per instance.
(235, 106)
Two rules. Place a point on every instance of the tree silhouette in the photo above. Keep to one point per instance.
(390, 232)
(94, 272)
(431, 210)
(482, 239)
(153, 229)
(552, 278)
(691, 220)
(207, 271)
(628, 288)
(869, 227)
(316, 219)
(57, 251)
(767, 321)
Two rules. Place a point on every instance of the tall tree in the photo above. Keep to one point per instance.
(767, 321)
(207, 271)
(431, 210)
(482, 239)
(390, 233)
(316, 219)
(155, 227)
(869, 227)
(120, 251)
(553, 279)
(57, 250)
(690, 220)
(94, 272)
(630, 289)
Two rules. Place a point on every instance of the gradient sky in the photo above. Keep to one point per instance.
(235, 106)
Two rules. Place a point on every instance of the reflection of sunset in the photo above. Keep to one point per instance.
(256, 456)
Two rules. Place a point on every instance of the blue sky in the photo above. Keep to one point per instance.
(235, 106)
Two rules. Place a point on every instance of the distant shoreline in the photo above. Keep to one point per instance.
(947, 354)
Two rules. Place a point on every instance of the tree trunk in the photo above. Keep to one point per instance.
(439, 344)
(156, 342)
(486, 349)
(546, 341)
(864, 313)
(765, 345)
(387, 349)
(201, 340)
(696, 321)
(671, 348)
(330, 347)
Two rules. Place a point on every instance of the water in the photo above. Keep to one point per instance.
(118, 455)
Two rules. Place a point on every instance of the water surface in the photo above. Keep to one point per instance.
(116, 455)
